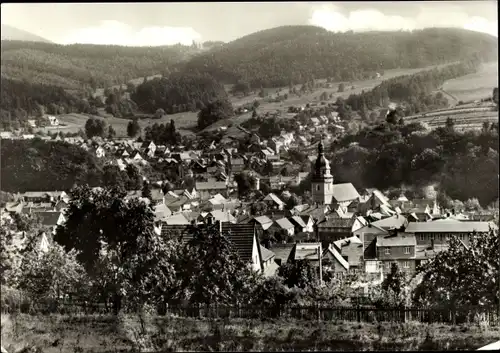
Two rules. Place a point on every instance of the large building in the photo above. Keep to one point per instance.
(322, 180)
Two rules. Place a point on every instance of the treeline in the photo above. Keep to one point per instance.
(77, 65)
(23, 100)
(162, 134)
(464, 165)
(295, 54)
(415, 91)
(36, 165)
(178, 93)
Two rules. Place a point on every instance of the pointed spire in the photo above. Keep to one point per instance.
(320, 147)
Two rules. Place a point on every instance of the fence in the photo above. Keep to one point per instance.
(489, 316)
(360, 314)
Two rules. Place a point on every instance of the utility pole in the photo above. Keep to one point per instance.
(320, 265)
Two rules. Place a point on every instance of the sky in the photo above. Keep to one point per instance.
(150, 24)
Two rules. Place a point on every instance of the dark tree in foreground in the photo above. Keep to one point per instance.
(299, 273)
(213, 112)
(212, 271)
(95, 127)
(133, 128)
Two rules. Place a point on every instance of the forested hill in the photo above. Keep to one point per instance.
(78, 65)
(279, 56)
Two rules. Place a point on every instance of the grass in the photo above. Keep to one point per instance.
(184, 122)
(474, 86)
(126, 334)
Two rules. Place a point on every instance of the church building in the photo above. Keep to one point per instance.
(322, 180)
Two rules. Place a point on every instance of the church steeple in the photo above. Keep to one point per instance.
(322, 180)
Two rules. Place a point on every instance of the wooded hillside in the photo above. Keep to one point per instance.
(74, 66)
(279, 56)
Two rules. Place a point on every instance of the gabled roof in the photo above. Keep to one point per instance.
(223, 216)
(346, 241)
(402, 239)
(266, 253)
(394, 222)
(177, 219)
(344, 192)
(263, 220)
(298, 221)
(272, 197)
(331, 249)
(282, 251)
(284, 223)
(242, 236)
(336, 223)
(447, 227)
(49, 218)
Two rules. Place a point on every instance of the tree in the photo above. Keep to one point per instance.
(258, 208)
(112, 176)
(495, 95)
(462, 275)
(292, 201)
(159, 113)
(395, 280)
(134, 178)
(95, 127)
(297, 274)
(146, 190)
(111, 133)
(212, 271)
(213, 112)
(101, 223)
(133, 128)
(472, 205)
(341, 88)
(51, 275)
(245, 182)
(450, 123)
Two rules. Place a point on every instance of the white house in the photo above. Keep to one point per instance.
(100, 152)
(53, 120)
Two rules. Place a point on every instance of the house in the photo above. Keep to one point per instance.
(333, 261)
(399, 249)
(311, 252)
(262, 222)
(438, 232)
(162, 212)
(300, 224)
(222, 216)
(100, 152)
(282, 225)
(148, 146)
(236, 165)
(273, 202)
(177, 219)
(51, 219)
(351, 250)
(330, 229)
(270, 267)
(209, 188)
(281, 252)
(53, 121)
(32, 122)
(393, 222)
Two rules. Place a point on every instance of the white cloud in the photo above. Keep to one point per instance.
(118, 33)
(332, 19)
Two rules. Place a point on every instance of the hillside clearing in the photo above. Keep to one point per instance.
(474, 86)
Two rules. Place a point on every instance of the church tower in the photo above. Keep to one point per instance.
(322, 180)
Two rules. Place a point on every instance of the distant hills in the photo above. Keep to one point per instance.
(12, 33)
(294, 54)
(77, 66)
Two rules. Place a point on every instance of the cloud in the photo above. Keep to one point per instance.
(118, 33)
(332, 19)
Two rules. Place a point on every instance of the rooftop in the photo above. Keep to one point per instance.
(451, 226)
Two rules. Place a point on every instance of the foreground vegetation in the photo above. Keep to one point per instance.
(132, 333)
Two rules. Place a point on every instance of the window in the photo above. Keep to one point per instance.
(422, 236)
(317, 187)
(406, 264)
(439, 237)
(431, 236)
(407, 250)
(388, 265)
(387, 251)
(462, 236)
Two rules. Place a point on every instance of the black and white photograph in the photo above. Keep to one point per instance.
(249, 177)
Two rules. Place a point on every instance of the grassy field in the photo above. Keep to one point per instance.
(474, 86)
(81, 334)
(73, 122)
